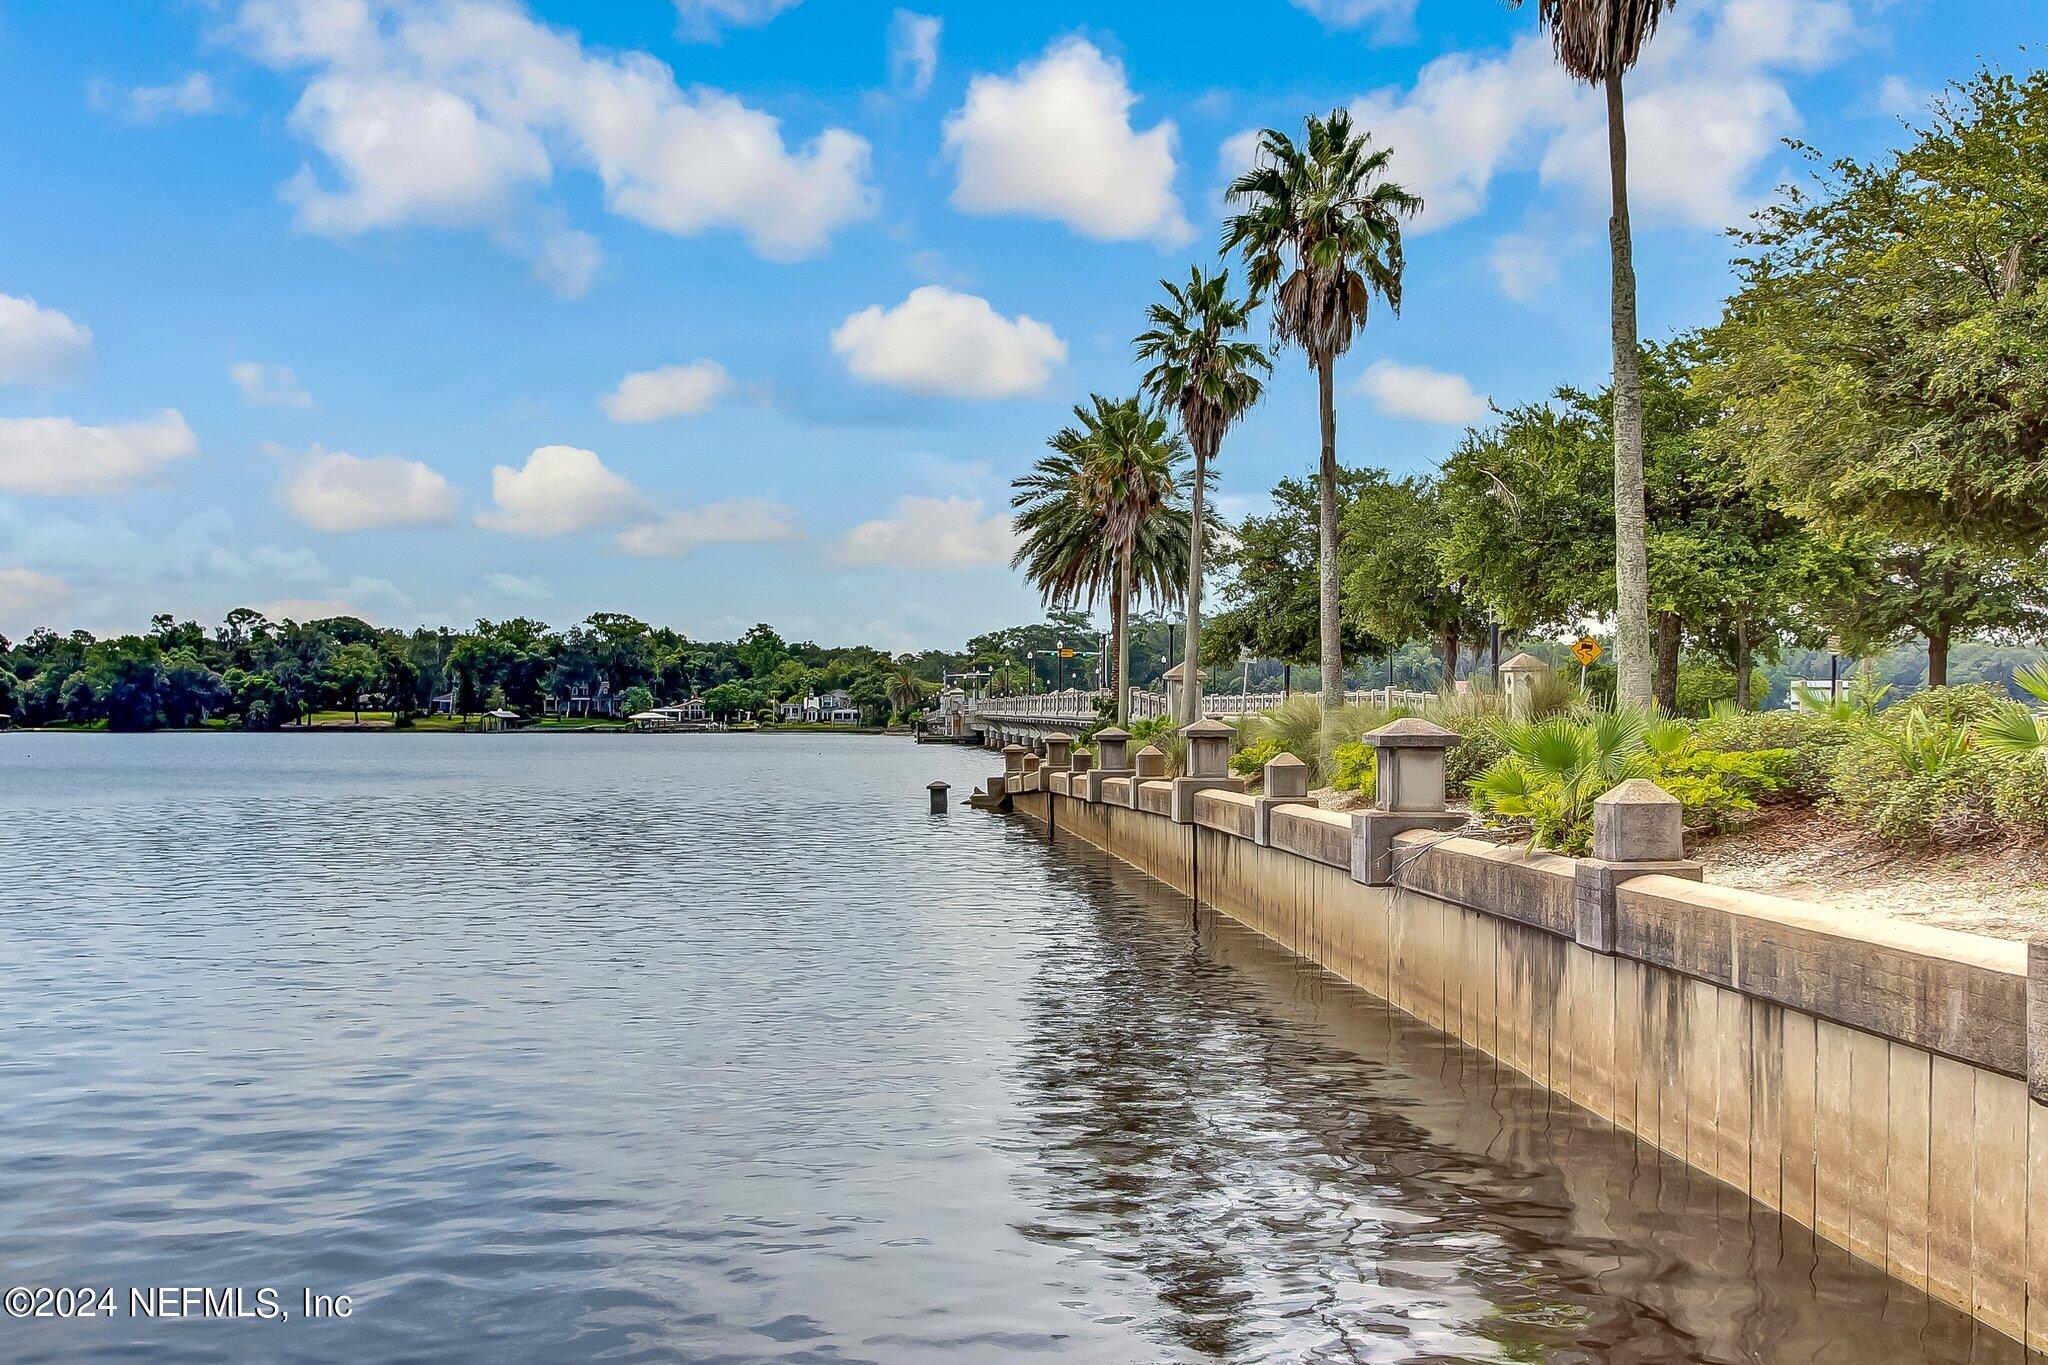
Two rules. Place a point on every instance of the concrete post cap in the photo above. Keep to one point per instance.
(938, 786)
(1152, 749)
(1059, 739)
(1638, 822)
(1112, 733)
(1412, 732)
(1176, 673)
(1286, 775)
(1637, 791)
(1207, 728)
(1525, 663)
(1013, 749)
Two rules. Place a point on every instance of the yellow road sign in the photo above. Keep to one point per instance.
(1586, 650)
(1066, 654)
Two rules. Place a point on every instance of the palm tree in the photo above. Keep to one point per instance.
(1321, 230)
(1596, 41)
(1210, 380)
(1101, 516)
(905, 689)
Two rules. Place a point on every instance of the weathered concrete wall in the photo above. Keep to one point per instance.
(1863, 1077)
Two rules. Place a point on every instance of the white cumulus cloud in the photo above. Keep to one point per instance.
(55, 456)
(27, 598)
(938, 341)
(336, 491)
(38, 345)
(914, 51)
(737, 521)
(1707, 107)
(702, 19)
(1522, 266)
(189, 96)
(560, 490)
(1390, 18)
(1421, 394)
(667, 391)
(1054, 140)
(930, 534)
(459, 115)
(267, 384)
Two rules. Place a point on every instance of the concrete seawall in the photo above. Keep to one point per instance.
(1863, 1077)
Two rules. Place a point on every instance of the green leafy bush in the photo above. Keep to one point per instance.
(1718, 786)
(1554, 770)
(2019, 796)
(1701, 686)
(1809, 740)
(1251, 760)
(1355, 767)
(1952, 707)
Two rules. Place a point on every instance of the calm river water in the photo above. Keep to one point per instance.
(547, 1048)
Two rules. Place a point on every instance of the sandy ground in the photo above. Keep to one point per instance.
(1808, 856)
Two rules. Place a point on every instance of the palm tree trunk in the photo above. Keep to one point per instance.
(1631, 555)
(1123, 639)
(1191, 680)
(1332, 656)
(1670, 637)
(1450, 646)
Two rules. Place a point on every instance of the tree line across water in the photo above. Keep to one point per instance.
(1853, 456)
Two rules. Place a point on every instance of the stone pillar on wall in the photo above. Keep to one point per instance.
(1059, 751)
(1518, 679)
(1638, 829)
(1208, 767)
(1409, 793)
(1151, 766)
(1013, 759)
(1286, 785)
(1173, 680)
(1112, 759)
(1032, 778)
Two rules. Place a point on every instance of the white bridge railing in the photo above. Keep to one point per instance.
(1081, 704)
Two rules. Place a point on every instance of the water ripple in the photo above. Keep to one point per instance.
(723, 1049)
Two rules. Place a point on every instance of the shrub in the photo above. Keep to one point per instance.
(1354, 767)
(1251, 760)
(1700, 686)
(1808, 740)
(1555, 769)
(1950, 707)
(2019, 797)
(1717, 786)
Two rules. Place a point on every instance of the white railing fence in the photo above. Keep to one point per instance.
(1080, 704)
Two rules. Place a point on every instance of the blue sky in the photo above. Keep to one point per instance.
(718, 311)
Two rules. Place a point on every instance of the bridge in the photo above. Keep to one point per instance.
(1027, 719)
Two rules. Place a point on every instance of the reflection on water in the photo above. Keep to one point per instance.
(722, 1048)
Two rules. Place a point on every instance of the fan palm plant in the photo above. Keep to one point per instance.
(1554, 769)
(1320, 231)
(1210, 378)
(2013, 729)
(1596, 42)
(1102, 516)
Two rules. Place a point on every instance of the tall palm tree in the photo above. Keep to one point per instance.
(1101, 516)
(905, 689)
(1597, 41)
(1210, 378)
(1321, 230)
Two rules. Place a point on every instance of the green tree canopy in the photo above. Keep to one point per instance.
(1885, 364)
